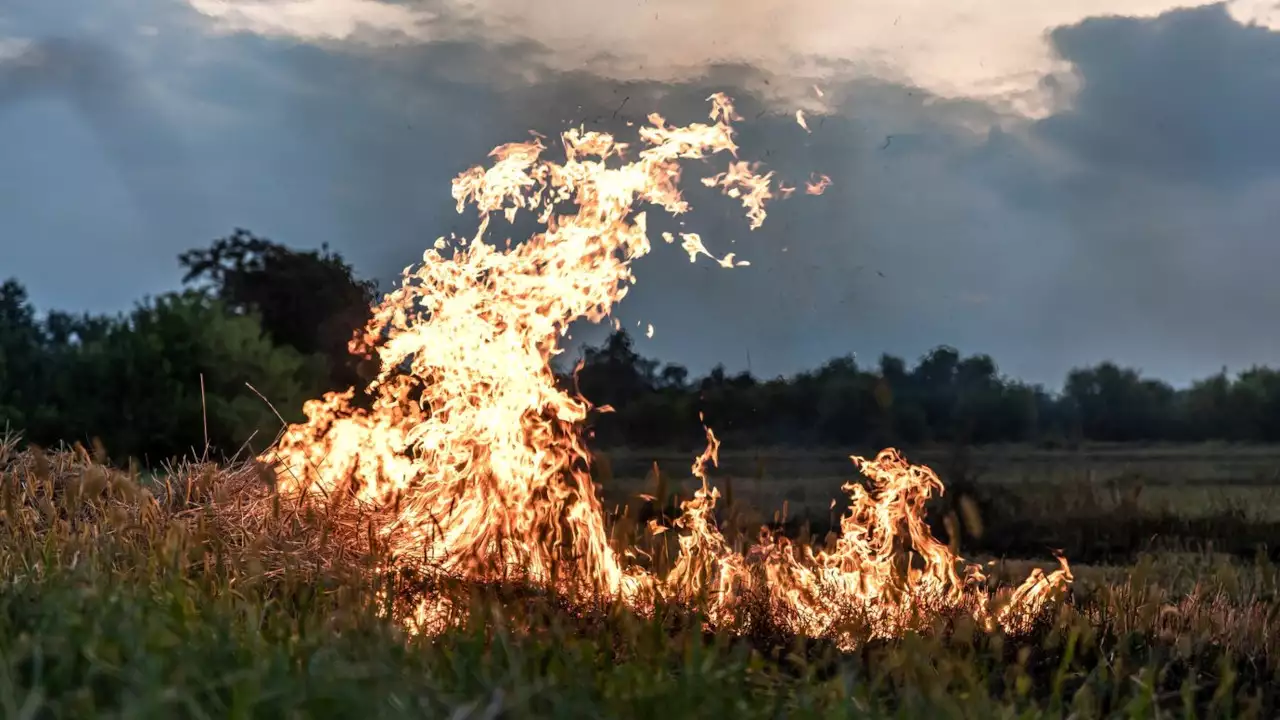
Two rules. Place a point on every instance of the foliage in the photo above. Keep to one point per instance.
(282, 319)
(154, 384)
(310, 301)
(21, 346)
(945, 398)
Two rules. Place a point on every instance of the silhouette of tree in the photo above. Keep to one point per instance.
(1117, 404)
(21, 356)
(281, 319)
(614, 374)
(308, 300)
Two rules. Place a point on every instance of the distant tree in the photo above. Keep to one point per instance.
(1116, 404)
(727, 404)
(1255, 399)
(614, 373)
(137, 387)
(935, 379)
(845, 411)
(673, 377)
(310, 301)
(280, 319)
(1208, 412)
(987, 408)
(21, 358)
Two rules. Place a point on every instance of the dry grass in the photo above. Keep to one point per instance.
(202, 594)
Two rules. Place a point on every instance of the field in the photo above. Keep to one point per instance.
(1100, 504)
(199, 594)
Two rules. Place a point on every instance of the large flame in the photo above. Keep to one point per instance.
(475, 452)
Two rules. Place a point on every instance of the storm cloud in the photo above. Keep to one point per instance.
(1090, 188)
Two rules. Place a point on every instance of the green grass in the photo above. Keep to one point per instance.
(208, 598)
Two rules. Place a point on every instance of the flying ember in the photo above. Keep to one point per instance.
(475, 454)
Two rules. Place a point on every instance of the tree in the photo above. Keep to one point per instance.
(727, 403)
(147, 386)
(614, 374)
(1208, 411)
(846, 410)
(22, 367)
(310, 301)
(1255, 398)
(1116, 404)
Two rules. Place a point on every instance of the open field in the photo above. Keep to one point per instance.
(1099, 504)
(1178, 465)
(207, 597)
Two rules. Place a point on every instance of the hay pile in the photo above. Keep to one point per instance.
(231, 517)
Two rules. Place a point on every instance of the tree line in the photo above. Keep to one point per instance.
(945, 398)
(259, 328)
(216, 367)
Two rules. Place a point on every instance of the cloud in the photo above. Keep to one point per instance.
(1051, 238)
(318, 20)
(1189, 97)
(1047, 240)
(997, 52)
(1159, 177)
(12, 48)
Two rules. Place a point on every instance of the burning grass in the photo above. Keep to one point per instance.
(473, 454)
(205, 594)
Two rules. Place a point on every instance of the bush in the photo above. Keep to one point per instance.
(149, 384)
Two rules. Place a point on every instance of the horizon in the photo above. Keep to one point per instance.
(572, 352)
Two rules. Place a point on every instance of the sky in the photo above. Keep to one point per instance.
(1053, 183)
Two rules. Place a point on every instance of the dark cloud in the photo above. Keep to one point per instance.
(1190, 96)
(1134, 225)
(1162, 174)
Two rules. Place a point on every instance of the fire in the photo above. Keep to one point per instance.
(473, 451)
(800, 120)
(817, 184)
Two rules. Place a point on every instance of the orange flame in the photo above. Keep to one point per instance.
(817, 184)
(475, 454)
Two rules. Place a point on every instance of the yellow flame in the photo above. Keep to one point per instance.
(802, 122)
(474, 451)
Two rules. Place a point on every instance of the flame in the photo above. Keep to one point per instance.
(473, 452)
(800, 120)
(817, 184)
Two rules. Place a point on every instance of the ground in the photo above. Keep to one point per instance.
(203, 597)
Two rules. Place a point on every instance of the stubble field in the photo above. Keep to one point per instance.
(199, 594)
